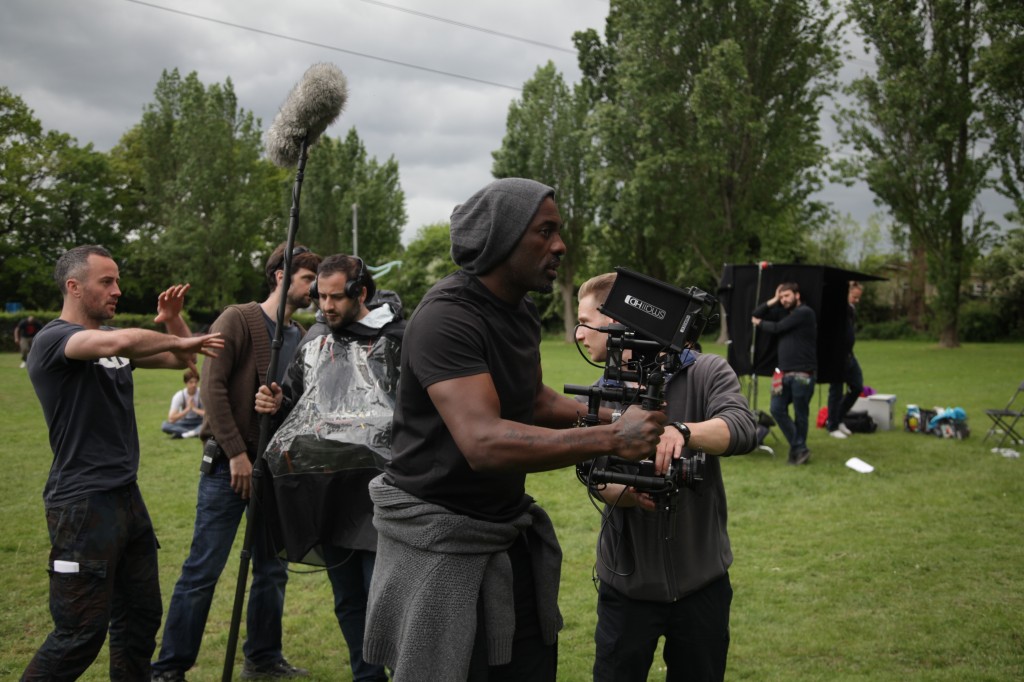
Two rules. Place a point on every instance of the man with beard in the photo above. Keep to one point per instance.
(797, 329)
(103, 557)
(230, 432)
(336, 408)
(466, 580)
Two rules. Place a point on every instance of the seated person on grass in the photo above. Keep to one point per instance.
(186, 413)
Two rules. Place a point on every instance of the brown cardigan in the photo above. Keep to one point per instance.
(230, 381)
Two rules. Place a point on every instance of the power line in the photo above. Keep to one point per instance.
(469, 26)
(326, 47)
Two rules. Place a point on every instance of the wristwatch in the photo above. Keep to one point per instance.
(683, 429)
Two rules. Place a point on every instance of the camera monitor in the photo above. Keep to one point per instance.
(669, 315)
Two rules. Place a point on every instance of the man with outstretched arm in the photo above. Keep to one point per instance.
(466, 580)
(103, 557)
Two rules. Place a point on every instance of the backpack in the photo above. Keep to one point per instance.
(860, 422)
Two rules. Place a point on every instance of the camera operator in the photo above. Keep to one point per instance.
(679, 587)
(466, 580)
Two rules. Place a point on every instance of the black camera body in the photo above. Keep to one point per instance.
(656, 323)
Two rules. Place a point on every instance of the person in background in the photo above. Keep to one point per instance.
(796, 325)
(838, 403)
(24, 332)
(186, 413)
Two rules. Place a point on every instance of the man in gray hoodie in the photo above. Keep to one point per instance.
(666, 573)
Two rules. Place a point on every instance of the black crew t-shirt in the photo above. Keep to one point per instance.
(461, 329)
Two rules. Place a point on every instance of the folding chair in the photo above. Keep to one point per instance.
(1005, 421)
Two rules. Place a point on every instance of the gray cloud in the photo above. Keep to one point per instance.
(88, 68)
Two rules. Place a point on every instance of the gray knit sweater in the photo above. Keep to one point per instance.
(432, 566)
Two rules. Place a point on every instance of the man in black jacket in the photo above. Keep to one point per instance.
(797, 327)
(838, 403)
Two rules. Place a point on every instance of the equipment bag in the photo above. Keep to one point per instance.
(860, 422)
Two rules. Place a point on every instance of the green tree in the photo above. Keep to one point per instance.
(916, 124)
(706, 127)
(1001, 63)
(546, 140)
(339, 173)
(425, 260)
(53, 195)
(1003, 269)
(206, 207)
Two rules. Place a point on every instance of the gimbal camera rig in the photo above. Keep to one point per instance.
(657, 322)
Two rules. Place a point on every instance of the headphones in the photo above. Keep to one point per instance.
(353, 287)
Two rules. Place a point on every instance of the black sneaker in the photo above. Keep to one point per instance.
(803, 457)
(279, 669)
(168, 676)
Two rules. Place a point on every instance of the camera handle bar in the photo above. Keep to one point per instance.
(643, 379)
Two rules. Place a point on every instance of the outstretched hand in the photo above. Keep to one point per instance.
(203, 344)
(170, 302)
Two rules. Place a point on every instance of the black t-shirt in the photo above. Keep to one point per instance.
(89, 410)
(460, 329)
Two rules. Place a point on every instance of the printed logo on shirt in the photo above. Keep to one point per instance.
(114, 363)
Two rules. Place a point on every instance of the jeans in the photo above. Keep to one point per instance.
(182, 425)
(108, 538)
(696, 631)
(350, 571)
(219, 510)
(797, 389)
(838, 404)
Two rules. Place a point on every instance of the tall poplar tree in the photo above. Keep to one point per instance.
(206, 207)
(1002, 73)
(918, 127)
(340, 173)
(706, 127)
(546, 140)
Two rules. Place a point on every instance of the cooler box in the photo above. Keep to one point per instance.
(879, 407)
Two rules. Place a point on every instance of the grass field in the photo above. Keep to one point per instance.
(913, 572)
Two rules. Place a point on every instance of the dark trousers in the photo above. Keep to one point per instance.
(797, 389)
(695, 628)
(103, 575)
(350, 571)
(838, 403)
(532, 659)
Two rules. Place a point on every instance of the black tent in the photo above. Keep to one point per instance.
(823, 288)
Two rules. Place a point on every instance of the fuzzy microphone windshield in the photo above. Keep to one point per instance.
(312, 105)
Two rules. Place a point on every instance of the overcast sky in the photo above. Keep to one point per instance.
(88, 67)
